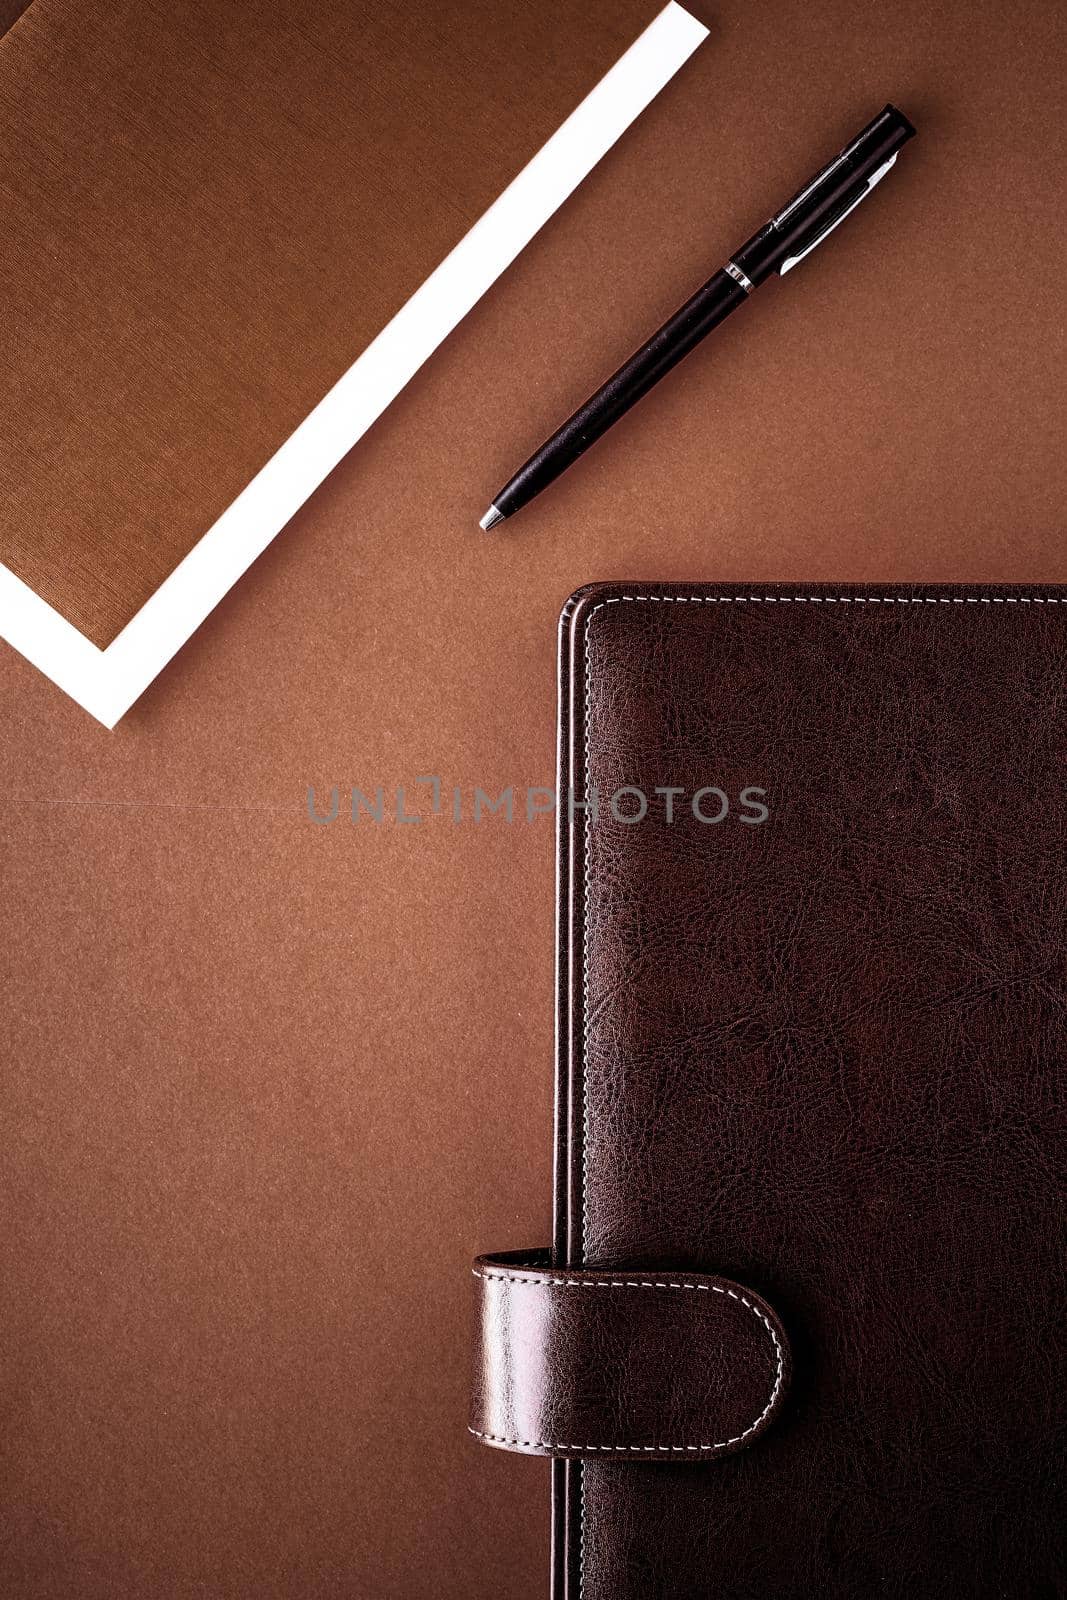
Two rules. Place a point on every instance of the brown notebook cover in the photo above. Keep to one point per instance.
(10, 12)
(208, 218)
(819, 1053)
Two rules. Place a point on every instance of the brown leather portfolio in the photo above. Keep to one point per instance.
(798, 1333)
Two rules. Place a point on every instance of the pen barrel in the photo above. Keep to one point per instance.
(703, 312)
(829, 196)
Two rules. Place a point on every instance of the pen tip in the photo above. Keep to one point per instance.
(491, 518)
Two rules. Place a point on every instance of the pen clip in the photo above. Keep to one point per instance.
(875, 177)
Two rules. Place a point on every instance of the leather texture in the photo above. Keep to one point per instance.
(823, 1054)
(656, 1366)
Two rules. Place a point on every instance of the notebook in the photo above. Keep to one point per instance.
(10, 11)
(227, 239)
(812, 1029)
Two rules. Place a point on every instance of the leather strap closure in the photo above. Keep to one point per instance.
(639, 1366)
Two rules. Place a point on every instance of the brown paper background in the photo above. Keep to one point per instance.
(270, 1085)
(10, 11)
(208, 212)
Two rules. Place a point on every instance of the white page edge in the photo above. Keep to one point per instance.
(107, 682)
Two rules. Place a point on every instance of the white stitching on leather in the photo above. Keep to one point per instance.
(614, 1283)
(721, 599)
(830, 600)
(625, 1449)
(581, 1531)
(585, 1056)
(643, 1283)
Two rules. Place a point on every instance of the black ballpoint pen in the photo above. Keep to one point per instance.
(778, 246)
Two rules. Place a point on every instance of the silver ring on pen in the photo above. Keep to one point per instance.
(736, 273)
